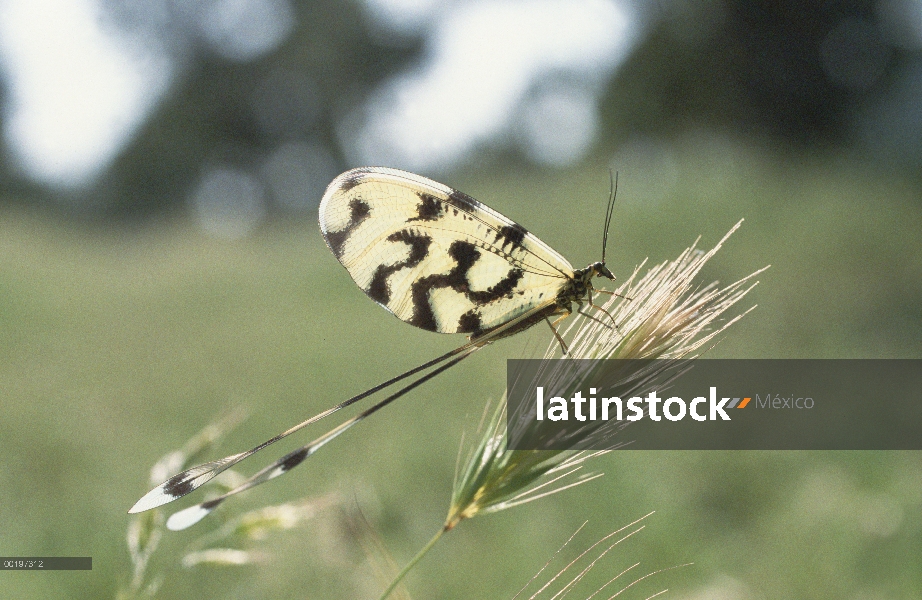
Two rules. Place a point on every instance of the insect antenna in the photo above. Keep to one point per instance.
(609, 213)
(610, 210)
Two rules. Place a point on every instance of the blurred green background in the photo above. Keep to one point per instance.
(182, 275)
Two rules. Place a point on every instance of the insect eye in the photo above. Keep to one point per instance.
(604, 271)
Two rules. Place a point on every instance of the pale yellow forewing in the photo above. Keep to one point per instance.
(433, 256)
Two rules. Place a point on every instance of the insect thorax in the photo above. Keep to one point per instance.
(578, 287)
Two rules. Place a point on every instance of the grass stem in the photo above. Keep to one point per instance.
(412, 563)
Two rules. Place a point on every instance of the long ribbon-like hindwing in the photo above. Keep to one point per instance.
(191, 479)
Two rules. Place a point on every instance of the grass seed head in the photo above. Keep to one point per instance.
(660, 315)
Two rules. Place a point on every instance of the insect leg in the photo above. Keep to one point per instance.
(610, 293)
(589, 316)
(553, 326)
(597, 307)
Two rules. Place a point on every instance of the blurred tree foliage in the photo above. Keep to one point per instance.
(750, 68)
(326, 68)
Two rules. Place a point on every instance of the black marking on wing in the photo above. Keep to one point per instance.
(469, 322)
(511, 234)
(293, 460)
(502, 289)
(379, 290)
(178, 486)
(359, 211)
(462, 201)
(352, 180)
(429, 209)
(423, 316)
(465, 255)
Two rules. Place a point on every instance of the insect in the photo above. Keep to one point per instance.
(437, 259)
